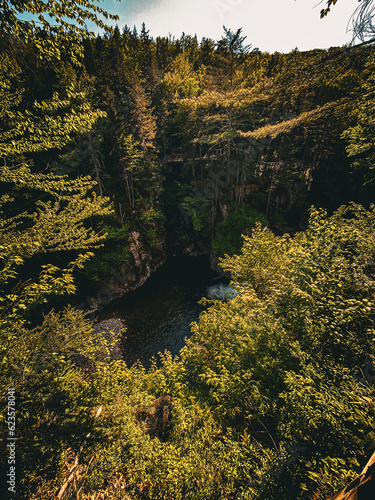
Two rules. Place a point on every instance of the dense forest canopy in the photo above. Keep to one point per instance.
(264, 160)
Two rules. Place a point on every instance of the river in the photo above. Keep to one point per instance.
(158, 315)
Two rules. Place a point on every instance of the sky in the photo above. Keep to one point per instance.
(270, 25)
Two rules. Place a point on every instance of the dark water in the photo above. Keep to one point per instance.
(158, 315)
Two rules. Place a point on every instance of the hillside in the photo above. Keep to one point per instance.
(119, 150)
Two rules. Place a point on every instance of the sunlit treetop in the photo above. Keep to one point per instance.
(55, 16)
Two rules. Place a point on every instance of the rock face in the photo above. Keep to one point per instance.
(142, 263)
(363, 487)
(145, 261)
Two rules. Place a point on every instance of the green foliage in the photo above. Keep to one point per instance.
(278, 221)
(56, 224)
(151, 220)
(53, 124)
(175, 193)
(53, 399)
(108, 259)
(65, 21)
(268, 401)
(181, 80)
(272, 396)
(228, 239)
(360, 137)
(45, 236)
(193, 208)
(285, 355)
(324, 272)
(44, 218)
(325, 11)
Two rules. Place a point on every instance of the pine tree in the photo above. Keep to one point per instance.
(231, 47)
(142, 117)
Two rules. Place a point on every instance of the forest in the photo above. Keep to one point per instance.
(118, 150)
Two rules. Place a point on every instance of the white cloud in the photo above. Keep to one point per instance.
(269, 24)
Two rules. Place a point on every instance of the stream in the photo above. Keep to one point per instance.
(157, 316)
